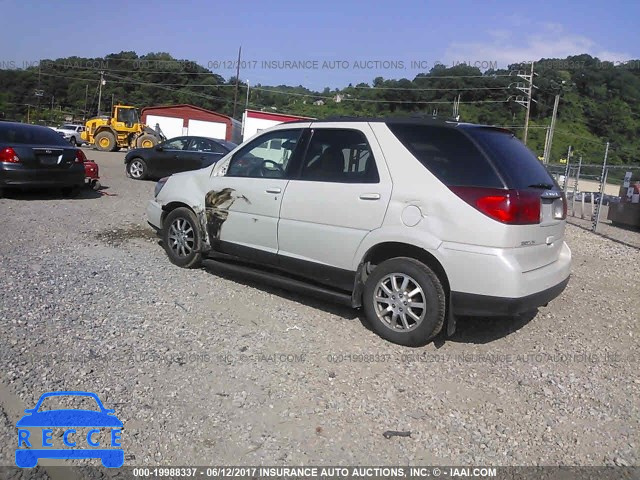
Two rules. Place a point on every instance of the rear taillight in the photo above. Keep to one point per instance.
(80, 156)
(513, 207)
(560, 208)
(9, 155)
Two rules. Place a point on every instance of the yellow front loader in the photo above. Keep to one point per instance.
(120, 130)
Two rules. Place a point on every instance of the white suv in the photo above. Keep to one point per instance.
(416, 221)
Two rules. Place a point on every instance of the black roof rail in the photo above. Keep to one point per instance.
(398, 119)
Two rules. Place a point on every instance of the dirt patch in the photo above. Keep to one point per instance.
(118, 236)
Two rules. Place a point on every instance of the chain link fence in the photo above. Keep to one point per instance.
(600, 193)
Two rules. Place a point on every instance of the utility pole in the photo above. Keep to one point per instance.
(553, 127)
(235, 96)
(566, 171)
(526, 122)
(527, 90)
(102, 82)
(546, 146)
(246, 103)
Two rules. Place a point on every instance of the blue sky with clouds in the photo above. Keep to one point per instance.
(399, 32)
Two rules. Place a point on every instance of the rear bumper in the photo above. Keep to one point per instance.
(21, 176)
(488, 306)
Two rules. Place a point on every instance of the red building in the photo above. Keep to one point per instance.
(179, 120)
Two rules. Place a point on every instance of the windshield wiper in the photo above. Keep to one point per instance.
(546, 186)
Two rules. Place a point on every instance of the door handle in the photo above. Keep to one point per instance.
(370, 196)
(274, 190)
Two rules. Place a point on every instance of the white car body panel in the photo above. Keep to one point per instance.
(328, 224)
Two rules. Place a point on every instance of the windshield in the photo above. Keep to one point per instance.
(68, 127)
(127, 115)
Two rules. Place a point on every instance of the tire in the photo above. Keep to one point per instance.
(96, 185)
(146, 141)
(430, 318)
(73, 142)
(137, 169)
(105, 141)
(184, 255)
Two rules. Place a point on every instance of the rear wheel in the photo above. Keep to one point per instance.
(73, 142)
(137, 169)
(105, 141)
(146, 141)
(181, 238)
(404, 302)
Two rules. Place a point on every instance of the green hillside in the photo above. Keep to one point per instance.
(599, 101)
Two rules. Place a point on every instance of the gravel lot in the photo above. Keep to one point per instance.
(205, 369)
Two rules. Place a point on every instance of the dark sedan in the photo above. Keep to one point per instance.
(37, 157)
(175, 155)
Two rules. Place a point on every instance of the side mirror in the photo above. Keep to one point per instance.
(159, 148)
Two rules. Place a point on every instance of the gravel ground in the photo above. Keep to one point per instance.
(204, 369)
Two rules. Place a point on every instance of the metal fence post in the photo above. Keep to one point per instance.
(566, 171)
(603, 182)
(575, 188)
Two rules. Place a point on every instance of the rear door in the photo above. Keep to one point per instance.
(340, 195)
(203, 152)
(538, 244)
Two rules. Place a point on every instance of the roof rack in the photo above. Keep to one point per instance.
(411, 118)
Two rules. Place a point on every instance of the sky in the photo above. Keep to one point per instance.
(327, 44)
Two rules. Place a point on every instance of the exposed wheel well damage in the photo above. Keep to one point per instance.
(384, 251)
(200, 214)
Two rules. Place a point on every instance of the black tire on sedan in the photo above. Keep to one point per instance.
(137, 169)
(404, 302)
(181, 238)
(73, 142)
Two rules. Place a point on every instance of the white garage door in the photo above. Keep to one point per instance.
(208, 129)
(171, 127)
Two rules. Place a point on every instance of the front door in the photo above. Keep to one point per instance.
(243, 206)
(167, 161)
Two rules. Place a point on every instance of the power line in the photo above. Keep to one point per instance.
(431, 89)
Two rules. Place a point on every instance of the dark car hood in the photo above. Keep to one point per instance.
(69, 418)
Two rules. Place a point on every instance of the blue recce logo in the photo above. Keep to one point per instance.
(33, 447)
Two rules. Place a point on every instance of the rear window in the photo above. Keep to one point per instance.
(517, 164)
(448, 154)
(30, 135)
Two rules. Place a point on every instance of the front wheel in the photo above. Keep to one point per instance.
(137, 169)
(73, 142)
(404, 302)
(146, 141)
(181, 238)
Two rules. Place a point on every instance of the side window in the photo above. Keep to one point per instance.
(342, 156)
(266, 156)
(448, 154)
(201, 145)
(175, 144)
